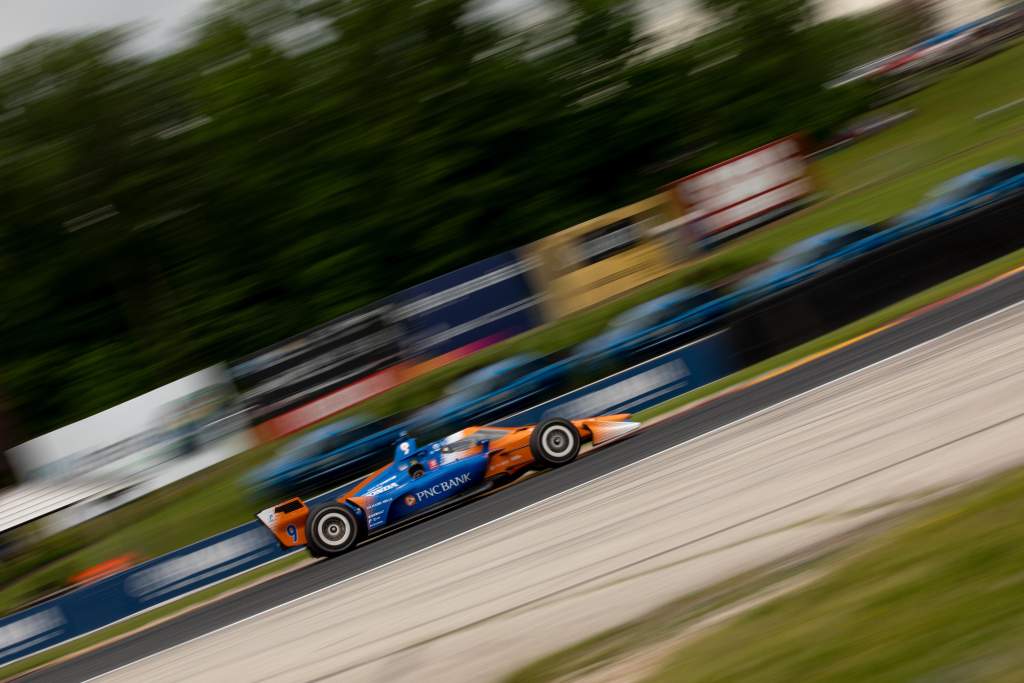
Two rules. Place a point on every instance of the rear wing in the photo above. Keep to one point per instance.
(287, 521)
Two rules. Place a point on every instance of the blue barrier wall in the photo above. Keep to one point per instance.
(640, 386)
(490, 297)
(250, 545)
(140, 588)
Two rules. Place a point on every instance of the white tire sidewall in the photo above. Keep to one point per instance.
(570, 442)
(325, 521)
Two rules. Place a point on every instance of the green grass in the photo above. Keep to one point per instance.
(940, 598)
(868, 181)
(607, 647)
(936, 594)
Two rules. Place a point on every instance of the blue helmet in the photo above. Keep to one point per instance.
(405, 445)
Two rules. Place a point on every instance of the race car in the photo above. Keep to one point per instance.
(422, 480)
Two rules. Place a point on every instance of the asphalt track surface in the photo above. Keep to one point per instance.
(658, 437)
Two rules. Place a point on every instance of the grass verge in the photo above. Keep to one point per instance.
(610, 647)
(939, 598)
(935, 594)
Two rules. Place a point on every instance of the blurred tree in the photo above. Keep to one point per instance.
(763, 24)
(913, 20)
(772, 80)
(295, 160)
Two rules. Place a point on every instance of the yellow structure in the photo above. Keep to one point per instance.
(608, 255)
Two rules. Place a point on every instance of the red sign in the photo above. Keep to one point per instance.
(746, 187)
(104, 569)
(357, 392)
(328, 405)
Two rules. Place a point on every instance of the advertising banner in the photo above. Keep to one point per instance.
(328, 405)
(747, 191)
(318, 362)
(143, 444)
(602, 258)
(354, 358)
(143, 587)
(640, 386)
(491, 299)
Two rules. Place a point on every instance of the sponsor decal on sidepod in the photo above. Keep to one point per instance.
(439, 488)
(382, 487)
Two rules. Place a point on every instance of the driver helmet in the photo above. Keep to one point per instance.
(405, 445)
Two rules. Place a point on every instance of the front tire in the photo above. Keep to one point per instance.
(331, 530)
(555, 442)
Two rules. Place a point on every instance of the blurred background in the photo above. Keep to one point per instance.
(281, 163)
(246, 242)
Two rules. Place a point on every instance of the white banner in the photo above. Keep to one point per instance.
(142, 444)
(739, 190)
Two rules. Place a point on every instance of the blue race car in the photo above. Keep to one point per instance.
(804, 260)
(328, 456)
(492, 392)
(966, 192)
(655, 326)
(422, 480)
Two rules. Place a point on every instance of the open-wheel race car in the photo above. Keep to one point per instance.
(422, 480)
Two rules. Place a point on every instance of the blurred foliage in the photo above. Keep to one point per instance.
(847, 42)
(292, 161)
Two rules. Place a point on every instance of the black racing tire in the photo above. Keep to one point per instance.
(555, 442)
(332, 530)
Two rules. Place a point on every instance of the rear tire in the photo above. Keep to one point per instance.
(332, 530)
(555, 442)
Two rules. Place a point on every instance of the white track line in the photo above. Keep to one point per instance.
(920, 345)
